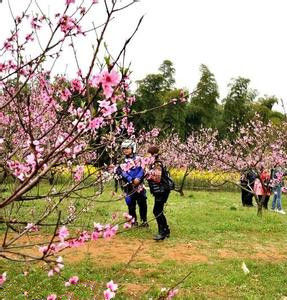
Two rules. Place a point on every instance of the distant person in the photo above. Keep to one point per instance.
(160, 186)
(247, 184)
(262, 188)
(131, 182)
(277, 174)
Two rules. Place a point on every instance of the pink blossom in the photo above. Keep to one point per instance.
(30, 159)
(69, 2)
(127, 216)
(112, 286)
(2, 67)
(43, 249)
(104, 104)
(29, 37)
(98, 226)
(84, 236)
(3, 278)
(108, 294)
(8, 45)
(108, 90)
(63, 233)
(65, 94)
(76, 85)
(110, 232)
(78, 173)
(60, 261)
(67, 24)
(52, 297)
(36, 142)
(110, 110)
(96, 80)
(172, 293)
(72, 280)
(77, 149)
(95, 235)
(34, 23)
(96, 123)
(127, 225)
(111, 78)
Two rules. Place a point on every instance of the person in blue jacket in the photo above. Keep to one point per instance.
(131, 182)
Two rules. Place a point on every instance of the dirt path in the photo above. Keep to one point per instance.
(122, 250)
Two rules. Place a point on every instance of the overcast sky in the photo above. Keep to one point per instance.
(232, 37)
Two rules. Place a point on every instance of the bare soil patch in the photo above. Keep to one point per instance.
(124, 250)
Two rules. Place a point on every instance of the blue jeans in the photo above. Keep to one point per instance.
(277, 197)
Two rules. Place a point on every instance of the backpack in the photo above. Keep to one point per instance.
(166, 180)
(166, 184)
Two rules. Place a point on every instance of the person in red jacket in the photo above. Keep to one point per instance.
(262, 188)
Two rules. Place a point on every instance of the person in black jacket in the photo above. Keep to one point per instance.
(247, 183)
(160, 191)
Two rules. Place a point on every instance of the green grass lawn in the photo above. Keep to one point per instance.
(211, 235)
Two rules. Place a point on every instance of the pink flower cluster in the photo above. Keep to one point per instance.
(52, 297)
(106, 232)
(108, 81)
(57, 268)
(129, 220)
(67, 24)
(109, 293)
(79, 173)
(3, 278)
(172, 293)
(72, 280)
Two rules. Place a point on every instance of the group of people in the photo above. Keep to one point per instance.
(131, 181)
(261, 186)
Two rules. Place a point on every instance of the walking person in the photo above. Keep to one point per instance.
(277, 174)
(160, 186)
(132, 182)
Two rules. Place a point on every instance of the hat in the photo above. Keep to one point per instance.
(129, 144)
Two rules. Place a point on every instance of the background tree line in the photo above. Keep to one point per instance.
(204, 108)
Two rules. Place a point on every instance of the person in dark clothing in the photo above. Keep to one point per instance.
(131, 182)
(247, 182)
(160, 191)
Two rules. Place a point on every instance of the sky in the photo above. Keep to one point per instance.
(232, 37)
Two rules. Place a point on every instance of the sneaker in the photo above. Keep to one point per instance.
(281, 211)
(144, 224)
(274, 209)
(135, 224)
(159, 237)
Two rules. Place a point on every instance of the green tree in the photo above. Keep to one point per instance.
(264, 106)
(152, 92)
(173, 117)
(168, 71)
(237, 105)
(203, 109)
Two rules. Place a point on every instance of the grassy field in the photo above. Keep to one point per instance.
(211, 235)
